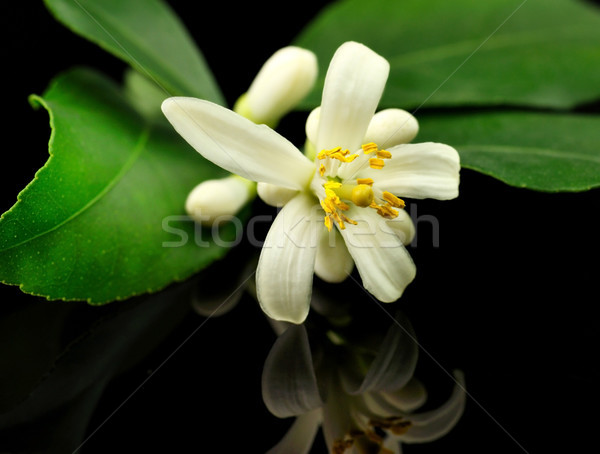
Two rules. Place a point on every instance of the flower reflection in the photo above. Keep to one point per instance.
(359, 389)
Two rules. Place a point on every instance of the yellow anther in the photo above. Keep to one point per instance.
(362, 195)
(328, 223)
(348, 220)
(343, 157)
(322, 169)
(340, 446)
(368, 181)
(393, 200)
(326, 153)
(328, 207)
(369, 148)
(384, 211)
(396, 425)
(384, 154)
(332, 185)
(376, 163)
(342, 206)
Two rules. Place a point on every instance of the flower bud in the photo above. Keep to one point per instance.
(391, 127)
(213, 199)
(274, 195)
(283, 81)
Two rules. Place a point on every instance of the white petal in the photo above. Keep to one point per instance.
(283, 81)
(395, 362)
(408, 398)
(287, 261)
(234, 143)
(338, 418)
(300, 437)
(391, 127)
(393, 445)
(333, 263)
(289, 384)
(403, 226)
(422, 170)
(397, 403)
(436, 423)
(273, 195)
(380, 257)
(353, 86)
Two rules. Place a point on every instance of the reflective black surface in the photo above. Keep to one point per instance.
(508, 296)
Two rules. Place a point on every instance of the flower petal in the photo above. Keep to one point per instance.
(300, 436)
(403, 226)
(422, 170)
(353, 86)
(333, 262)
(234, 143)
(287, 261)
(436, 423)
(380, 257)
(289, 384)
(393, 445)
(395, 362)
(408, 398)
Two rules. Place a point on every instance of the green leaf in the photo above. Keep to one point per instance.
(144, 95)
(541, 151)
(99, 221)
(541, 53)
(147, 35)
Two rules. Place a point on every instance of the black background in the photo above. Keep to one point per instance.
(509, 295)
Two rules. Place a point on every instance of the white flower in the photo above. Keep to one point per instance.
(351, 187)
(214, 200)
(359, 412)
(282, 82)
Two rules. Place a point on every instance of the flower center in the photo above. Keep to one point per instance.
(359, 192)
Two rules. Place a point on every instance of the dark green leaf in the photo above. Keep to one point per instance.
(147, 35)
(542, 151)
(100, 220)
(470, 52)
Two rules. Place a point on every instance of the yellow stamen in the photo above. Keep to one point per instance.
(384, 211)
(328, 223)
(342, 206)
(322, 169)
(337, 153)
(348, 220)
(343, 157)
(393, 200)
(396, 425)
(368, 181)
(325, 153)
(384, 154)
(362, 195)
(369, 148)
(332, 185)
(340, 446)
(376, 163)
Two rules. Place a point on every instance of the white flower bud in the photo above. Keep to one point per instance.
(312, 125)
(391, 127)
(283, 81)
(274, 195)
(214, 199)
